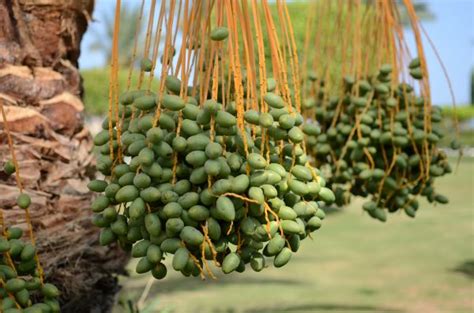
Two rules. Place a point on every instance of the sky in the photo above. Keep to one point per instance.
(452, 32)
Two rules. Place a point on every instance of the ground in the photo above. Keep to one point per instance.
(354, 264)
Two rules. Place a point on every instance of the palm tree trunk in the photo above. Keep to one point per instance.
(40, 88)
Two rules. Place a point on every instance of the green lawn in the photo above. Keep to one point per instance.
(354, 264)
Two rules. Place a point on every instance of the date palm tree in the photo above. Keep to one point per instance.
(40, 89)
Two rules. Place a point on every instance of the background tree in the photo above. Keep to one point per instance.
(472, 87)
(422, 11)
(40, 89)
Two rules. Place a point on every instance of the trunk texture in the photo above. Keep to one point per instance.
(40, 88)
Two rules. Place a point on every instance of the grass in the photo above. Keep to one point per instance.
(354, 264)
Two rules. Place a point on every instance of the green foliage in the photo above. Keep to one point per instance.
(463, 113)
(472, 87)
(298, 11)
(96, 96)
(422, 10)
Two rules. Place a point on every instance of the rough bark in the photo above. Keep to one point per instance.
(40, 88)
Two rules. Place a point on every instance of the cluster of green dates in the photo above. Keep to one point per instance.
(197, 188)
(20, 284)
(376, 142)
(23, 200)
(21, 288)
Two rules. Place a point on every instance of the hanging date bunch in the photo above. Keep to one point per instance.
(20, 276)
(379, 130)
(210, 168)
(22, 285)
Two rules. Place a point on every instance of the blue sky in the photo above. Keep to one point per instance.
(452, 32)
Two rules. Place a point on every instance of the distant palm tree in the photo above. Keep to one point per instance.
(103, 36)
(472, 86)
(422, 10)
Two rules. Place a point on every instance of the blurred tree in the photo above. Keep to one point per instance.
(472, 86)
(422, 10)
(128, 28)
